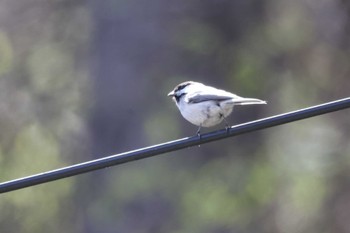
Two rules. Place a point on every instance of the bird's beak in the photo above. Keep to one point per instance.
(171, 93)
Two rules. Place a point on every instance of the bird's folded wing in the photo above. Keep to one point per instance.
(201, 96)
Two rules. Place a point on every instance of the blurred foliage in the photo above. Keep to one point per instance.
(6, 53)
(84, 79)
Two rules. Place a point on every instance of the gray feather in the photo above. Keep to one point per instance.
(247, 101)
(210, 94)
(201, 98)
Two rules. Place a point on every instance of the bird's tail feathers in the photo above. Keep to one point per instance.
(248, 101)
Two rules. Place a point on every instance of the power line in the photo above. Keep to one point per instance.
(173, 145)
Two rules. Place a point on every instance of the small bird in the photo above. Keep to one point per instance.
(206, 106)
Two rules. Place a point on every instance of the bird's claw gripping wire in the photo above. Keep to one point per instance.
(227, 126)
(199, 132)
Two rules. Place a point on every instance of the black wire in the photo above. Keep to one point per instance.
(173, 145)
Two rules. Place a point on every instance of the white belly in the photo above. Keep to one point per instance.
(206, 113)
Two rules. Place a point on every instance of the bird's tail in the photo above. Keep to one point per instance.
(247, 101)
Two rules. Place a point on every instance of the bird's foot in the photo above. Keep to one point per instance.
(199, 134)
(227, 127)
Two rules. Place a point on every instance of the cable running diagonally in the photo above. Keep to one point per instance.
(173, 145)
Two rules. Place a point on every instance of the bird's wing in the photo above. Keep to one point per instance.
(209, 94)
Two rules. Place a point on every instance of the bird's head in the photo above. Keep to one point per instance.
(181, 90)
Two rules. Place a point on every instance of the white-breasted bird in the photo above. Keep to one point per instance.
(206, 106)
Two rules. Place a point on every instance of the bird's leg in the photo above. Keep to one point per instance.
(199, 131)
(227, 126)
(199, 134)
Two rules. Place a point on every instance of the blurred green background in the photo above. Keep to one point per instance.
(80, 80)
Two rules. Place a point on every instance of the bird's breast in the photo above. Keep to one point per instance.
(206, 114)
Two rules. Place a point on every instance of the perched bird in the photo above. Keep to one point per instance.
(206, 106)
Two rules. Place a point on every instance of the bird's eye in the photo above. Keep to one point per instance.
(178, 96)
